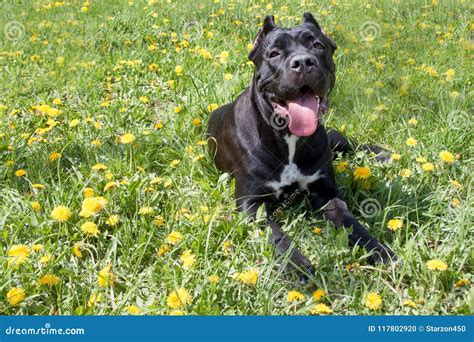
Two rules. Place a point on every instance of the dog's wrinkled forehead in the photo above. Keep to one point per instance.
(270, 39)
(275, 34)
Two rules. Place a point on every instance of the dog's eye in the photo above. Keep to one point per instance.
(274, 53)
(318, 45)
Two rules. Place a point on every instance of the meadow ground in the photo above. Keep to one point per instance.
(109, 200)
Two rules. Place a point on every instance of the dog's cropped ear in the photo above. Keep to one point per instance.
(309, 19)
(268, 26)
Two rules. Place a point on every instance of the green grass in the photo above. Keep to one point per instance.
(381, 84)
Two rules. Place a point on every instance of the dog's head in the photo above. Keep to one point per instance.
(294, 71)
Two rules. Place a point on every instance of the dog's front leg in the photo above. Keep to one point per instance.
(283, 245)
(336, 211)
(282, 242)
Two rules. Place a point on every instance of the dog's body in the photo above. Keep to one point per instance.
(270, 160)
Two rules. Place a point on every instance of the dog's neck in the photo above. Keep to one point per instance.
(261, 105)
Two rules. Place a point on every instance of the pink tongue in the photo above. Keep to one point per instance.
(303, 115)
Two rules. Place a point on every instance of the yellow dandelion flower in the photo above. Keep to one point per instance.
(405, 173)
(49, 280)
(94, 299)
(294, 296)
(110, 185)
(163, 250)
(133, 310)
(456, 184)
(61, 213)
(105, 277)
(15, 296)
(38, 186)
(318, 294)
(179, 70)
(321, 309)
(446, 157)
(159, 221)
(127, 138)
(373, 301)
(454, 94)
(46, 258)
(395, 224)
(411, 142)
(174, 238)
(436, 265)
(187, 259)
(74, 122)
(37, 247)
(227, 247)
(99, 167)
(76, 249)
(213, 279)
(413, 121)
(462, 282)
(362, 173)
(20, 173)
(223, 57)
(409, 303)
(92, 205)
(176, 313)
(54, 155)
(196, 122)
(113, 220)
(341, 167)
(212, 107)
(145, 211)
(228, 77)
(179, 298)
(449, 74)
(421, 160)
(395, 157)
(175, 163)
(18, 254)
(90, 229)
(88, 192)
(249, 277)
(109, 175)
(456, 202)
(427, 167)
(36, 206)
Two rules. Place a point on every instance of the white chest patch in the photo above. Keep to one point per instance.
(291, 174)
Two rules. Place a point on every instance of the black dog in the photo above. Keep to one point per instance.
(271, 138)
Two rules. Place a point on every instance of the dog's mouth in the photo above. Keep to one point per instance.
(302, 111)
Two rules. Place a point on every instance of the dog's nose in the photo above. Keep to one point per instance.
(302, 63)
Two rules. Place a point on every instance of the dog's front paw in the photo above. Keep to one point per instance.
(302, 265)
